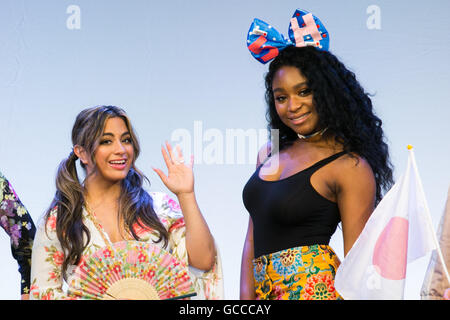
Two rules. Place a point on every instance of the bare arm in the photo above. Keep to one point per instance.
(199, 241)
(180, 180)
(356, 198)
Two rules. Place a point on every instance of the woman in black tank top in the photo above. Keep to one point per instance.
(330, 165)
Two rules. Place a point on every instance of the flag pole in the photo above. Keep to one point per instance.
(428, 214)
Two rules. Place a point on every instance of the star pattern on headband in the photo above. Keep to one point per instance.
(265, 42)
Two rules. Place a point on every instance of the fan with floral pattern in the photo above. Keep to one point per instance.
(131, 270)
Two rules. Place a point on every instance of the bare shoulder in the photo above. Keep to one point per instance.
(353, 170)
(353, 164)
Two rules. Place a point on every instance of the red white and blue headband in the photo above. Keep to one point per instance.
(305, 29)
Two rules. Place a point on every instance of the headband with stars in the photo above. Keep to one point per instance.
(305, 29)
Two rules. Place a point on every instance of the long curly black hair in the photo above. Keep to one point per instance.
(342, 105)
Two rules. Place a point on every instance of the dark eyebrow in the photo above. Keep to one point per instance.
(112, 135)
(296, 87)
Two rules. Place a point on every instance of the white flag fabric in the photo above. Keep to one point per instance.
(398, 232)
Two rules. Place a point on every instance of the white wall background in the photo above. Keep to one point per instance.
(169, 64)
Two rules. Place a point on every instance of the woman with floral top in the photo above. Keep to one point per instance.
(110, 206)
(17, 222)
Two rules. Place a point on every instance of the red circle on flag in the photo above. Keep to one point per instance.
(391, 249)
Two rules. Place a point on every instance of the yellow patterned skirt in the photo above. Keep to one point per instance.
(300, 273)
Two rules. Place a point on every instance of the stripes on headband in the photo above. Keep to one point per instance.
(264, 42)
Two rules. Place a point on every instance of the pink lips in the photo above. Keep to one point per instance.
(119, 164)
(300, 119)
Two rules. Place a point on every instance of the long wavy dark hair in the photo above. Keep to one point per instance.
(342, 105)
(135, 204)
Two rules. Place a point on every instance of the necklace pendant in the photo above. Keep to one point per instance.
(312, 134)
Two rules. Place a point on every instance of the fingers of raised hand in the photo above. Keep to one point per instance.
(166, 156)
(174, 156)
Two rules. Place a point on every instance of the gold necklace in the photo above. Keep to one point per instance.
(101, 230)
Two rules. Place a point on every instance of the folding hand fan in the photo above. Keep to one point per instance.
(131, 270)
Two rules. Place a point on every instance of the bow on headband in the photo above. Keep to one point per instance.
(305, 29)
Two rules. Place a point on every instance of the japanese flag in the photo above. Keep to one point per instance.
(398, 232)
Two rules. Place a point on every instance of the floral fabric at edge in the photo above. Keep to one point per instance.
(46, 277)
(300, 273)
(17, 222)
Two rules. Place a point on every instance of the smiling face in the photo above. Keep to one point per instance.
(294, 101)
(114, 154)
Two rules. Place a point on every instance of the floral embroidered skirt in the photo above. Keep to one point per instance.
(300, 273)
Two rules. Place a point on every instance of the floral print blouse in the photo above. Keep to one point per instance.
(18, 224)
(46, 278)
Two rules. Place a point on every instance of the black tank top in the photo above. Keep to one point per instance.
(289, 212)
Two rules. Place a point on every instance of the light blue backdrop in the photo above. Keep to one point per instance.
(177, 64)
